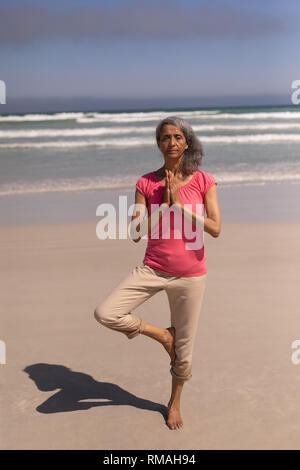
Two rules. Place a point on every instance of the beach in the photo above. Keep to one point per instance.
(97, 101)
(70, 383)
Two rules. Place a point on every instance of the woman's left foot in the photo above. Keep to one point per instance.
(174, 417)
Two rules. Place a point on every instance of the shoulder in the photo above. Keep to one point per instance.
(205, 180)
(145, 183)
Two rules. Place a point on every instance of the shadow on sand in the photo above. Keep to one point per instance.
(77, 386)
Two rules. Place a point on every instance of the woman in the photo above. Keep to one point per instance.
(169, 264)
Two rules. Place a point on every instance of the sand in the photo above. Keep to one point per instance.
(88, 387)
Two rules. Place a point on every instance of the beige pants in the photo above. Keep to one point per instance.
(185, 295)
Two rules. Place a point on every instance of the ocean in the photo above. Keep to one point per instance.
(80, 151)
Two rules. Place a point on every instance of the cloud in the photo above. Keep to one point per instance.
(134, 20)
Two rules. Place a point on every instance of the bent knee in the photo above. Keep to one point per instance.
(103, 316)
(100, 314)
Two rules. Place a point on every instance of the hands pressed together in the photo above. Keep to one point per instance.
(171, 193)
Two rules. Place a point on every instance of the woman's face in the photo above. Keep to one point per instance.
(172, 142)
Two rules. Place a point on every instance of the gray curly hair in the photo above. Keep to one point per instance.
(192, 157)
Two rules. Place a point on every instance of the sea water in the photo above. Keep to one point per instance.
(82, 151)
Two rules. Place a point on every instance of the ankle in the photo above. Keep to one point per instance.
(154, 332)
(175, 405)
(162, 336)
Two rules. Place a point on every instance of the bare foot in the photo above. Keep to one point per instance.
(174, 417)
(169, 343)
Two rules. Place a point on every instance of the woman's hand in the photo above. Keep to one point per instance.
(173, 188)
(167, 199)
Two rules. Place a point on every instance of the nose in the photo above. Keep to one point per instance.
(172, 141)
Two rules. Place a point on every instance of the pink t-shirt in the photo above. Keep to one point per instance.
(175, 246)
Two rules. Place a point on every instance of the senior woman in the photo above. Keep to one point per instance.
(171, 263)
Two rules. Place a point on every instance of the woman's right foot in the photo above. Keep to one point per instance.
(169, 343)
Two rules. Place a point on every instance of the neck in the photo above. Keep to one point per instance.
(174, 166)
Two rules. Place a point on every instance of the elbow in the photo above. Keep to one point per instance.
(133, 234)
(216, 232)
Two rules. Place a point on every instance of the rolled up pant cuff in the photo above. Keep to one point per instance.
(180, 378)
(138, 331)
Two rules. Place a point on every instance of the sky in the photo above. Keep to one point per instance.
(151, 50)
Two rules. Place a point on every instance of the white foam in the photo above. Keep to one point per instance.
(247, 127)
(213, 115)
(276, 174)
(41, 117)
(91, 117)
(104, 117)
(115, 143)
(67, 184)
(252, 138)
(260, 115)
(146, 142)
(94, 131)
(77, 132)
(143, 117)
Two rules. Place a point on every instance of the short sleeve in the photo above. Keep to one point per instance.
(209, 181)
(141, 185)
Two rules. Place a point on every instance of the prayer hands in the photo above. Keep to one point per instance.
(171, 193)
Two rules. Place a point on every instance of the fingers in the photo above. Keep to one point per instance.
(167, 180)
(167, 190)
(169, 175)
(169, 187)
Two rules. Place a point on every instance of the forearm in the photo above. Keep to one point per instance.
(148, 223)
(199, 221)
